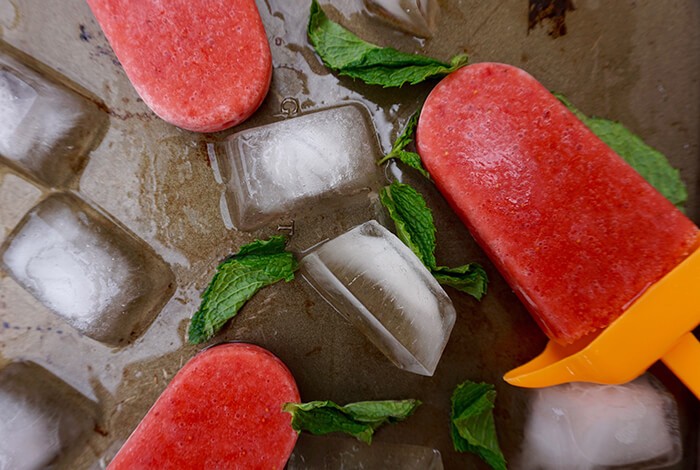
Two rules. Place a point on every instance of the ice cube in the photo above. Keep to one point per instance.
(101, 279)
(330, 453)
(313, 162)
(375, 281)
(412, 16)
(16, 99)
(591, 426)
(46, 129)
(42, 419)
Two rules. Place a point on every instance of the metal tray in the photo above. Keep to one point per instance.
(637, 62)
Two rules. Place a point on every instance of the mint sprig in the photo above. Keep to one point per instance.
(398, 150)
(359, 419)
(472, 426)
(413, 220)
(649, 162)
(342, 51)
(415, 227)
(256, 265)
(469, 278)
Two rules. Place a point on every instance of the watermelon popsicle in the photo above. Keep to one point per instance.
(223, 409)
(202, 65)
(577, 233)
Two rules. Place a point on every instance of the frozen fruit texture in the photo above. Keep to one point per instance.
(203, 65)
(576, 232)
(222, 410)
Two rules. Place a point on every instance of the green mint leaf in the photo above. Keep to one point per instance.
(256, 265)
(342, 51)
(359, 420)
(272, 246)
(472, 425)
(413, 160)
(406, 137)
(413, 220)
(415, 228)
(389, 411)
(649, 162)
(470, 279)
(398, 150)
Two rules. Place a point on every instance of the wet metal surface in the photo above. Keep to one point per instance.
(633, 61)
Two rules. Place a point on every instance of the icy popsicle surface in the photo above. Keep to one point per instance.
(203, 65)
(222, 410)
(575, 230)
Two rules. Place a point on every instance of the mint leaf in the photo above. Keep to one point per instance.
(405, 139)
(649, 162)
(470, 278)
(359, 420)
(347, 54)
(256, 265)
(472, 425)
(415, 227)
(413, 220)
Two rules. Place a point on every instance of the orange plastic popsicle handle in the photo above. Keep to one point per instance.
(684, 361)
(655, 325)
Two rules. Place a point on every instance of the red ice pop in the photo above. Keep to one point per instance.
(576, 232)
(203, 65)
(222, 410)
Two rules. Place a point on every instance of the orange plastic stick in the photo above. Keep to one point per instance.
(656, 326)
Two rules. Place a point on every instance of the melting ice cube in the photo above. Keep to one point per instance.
(589, 426)
(105, 282)
(313, 162)
(329, 453)
(413, 16)
(46, 129)
(16, 99)
(374, 280)
(41, 417)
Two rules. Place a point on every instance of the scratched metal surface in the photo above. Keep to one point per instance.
(634, 61)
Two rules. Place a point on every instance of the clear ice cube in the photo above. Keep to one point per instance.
(313, 162)
(377, 283)
(590, 426)
(42, 419)
(329, 453)
(412, 16)
(101, 279)
(46, 129)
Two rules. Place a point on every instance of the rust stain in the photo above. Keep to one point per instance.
(554, 11)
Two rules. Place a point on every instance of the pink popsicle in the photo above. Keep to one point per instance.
(222, 410)
(576, 231)
(203, 65)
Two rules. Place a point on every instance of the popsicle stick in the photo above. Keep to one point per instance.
(684, 361)
(553, 353)
(649, 330)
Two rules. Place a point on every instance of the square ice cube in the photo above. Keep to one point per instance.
(42, 419)
(16, 99)
(329, 453)
(46, 129)
(101, 279)
(375, 281)
(590, 426)
(313, 162)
